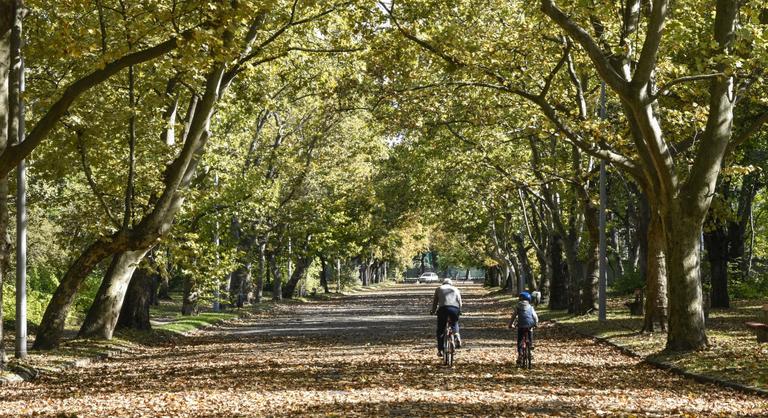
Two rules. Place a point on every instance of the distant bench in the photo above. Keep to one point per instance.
(760, 328)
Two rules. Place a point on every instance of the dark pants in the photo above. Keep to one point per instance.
(520, 333)
(443, 314)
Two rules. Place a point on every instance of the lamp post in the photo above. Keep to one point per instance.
(603, 262)
(16, 131)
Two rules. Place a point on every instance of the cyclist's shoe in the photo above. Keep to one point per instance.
(519, 361)
(533, 347)
(458, 341)
(439, 353)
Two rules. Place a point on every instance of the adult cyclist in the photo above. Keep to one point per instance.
(447, 305)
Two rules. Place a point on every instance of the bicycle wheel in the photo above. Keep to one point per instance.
(528, 353)
(446, 348)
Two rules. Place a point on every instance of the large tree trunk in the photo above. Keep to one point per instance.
(656, 277)
(302, 264)
(686, 314)
(178, 175)
(52, 325)
(135, 311)
(683, 204)
(102, 317)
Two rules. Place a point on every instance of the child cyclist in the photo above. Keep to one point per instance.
(526, 320)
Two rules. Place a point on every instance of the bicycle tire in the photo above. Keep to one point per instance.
(449, 345)
(528, 353)
(528, 358)
(446, 360)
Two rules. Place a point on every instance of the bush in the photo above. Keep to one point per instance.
(36, 304)
(626, 284)
(756, 287)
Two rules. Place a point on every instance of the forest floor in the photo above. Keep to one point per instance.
(370, 354)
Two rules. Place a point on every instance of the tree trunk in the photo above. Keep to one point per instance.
(135, 311)
(558, 298)
(686, 314)
(143, 236)
(364, 279)
(338, 275)
(154, 287)
(189, 297)
(237, 284)
(277, 278)
(737, 230)
(324, 274)
(716, 244)
(525, 264)
(656, 277)
(614, 244)
(102, 317)
(302, 264)
(576, 273)
(258, 293)
(52, 325)
(164, 288)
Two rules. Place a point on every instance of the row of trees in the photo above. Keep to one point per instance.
(520, 84)
(233, 144)
(230, 144)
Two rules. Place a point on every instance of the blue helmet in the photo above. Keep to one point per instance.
(525, 296)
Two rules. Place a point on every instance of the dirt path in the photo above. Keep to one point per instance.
(371, 355)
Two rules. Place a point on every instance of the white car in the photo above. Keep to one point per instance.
(428, 277)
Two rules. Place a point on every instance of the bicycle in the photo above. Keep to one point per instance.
(449, 343)
(524, 354)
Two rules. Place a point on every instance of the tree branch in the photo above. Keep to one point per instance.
(602, 65)
(647, 61)
(667, 86)
(89, 177)
(15, 153)
(747, 133)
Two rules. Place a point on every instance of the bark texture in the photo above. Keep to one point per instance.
(134, 313)
(656, 277)
(102, 317)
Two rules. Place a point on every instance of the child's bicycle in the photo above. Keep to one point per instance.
(524, 354)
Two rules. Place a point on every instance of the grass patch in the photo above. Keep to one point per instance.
(734, 353)
(185, 324)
